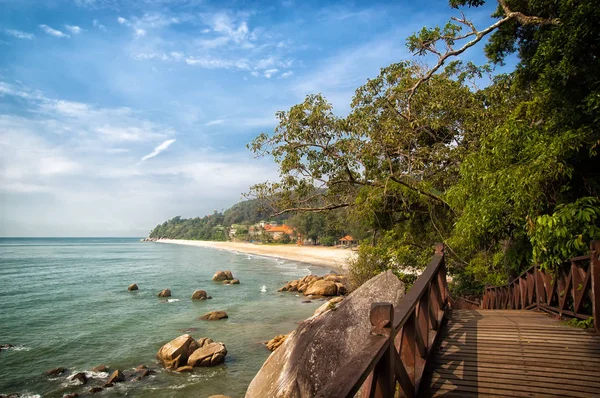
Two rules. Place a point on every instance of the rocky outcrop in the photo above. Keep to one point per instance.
(200, 295)
(164, 293)
(116, 377)
(210, 355)
(132, 287)
(276, 341)
(222, 276)
(231, 282)
(185, 351)
(214, 316)
(176, 352)
(312, 285)
(311, 355)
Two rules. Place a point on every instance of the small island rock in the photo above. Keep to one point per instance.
(214, 316)
(210, 355)
(132, 287)
(164, 293)
(200, 295)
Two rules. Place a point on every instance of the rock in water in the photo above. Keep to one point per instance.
(132, 287)
(322, 288)
(164, 293)
(219, 396)
(222, 276)
(55, 371)
(100, 368)
(116, 377)
(175, 353)
(210, 355)
(94, 390)
(235, 282)
(276, 341)
(310, 355)
(214, 316)
(80, 376)
(199, 295)
(184, 369)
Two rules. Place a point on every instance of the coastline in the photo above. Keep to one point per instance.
(333, 258)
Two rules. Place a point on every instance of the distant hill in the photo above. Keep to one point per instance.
(214, 226)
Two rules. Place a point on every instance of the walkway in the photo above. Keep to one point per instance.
(512, 353)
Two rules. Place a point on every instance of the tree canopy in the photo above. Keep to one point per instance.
(503, 174)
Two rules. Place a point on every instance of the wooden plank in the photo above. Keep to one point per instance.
(513, 377)
(517, 389)
(522, 353)
(521, 369)
(507, 359)
(441, 386)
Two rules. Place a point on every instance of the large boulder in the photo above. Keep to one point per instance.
(176, 352)
(222, 276)
(322, 344)
(164, 293)
(322, 288)
(199, 295)
(214, 316)
(210, 355)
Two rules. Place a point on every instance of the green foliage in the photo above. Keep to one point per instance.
(328, 240)
(566, 232)
(207, 228)
(581, 323)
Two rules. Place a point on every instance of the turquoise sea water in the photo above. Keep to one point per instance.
(64, 302)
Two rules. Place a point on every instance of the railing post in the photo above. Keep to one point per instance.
(536, 285)
(384, 376)
(595, 274)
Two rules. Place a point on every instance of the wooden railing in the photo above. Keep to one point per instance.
(400, 341)
(572, 290)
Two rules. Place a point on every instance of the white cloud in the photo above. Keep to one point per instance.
(162, 147)
(19, 34)
(286, 74)
(140, 32)
(270, 72)
(215, 122)
(122, 20)
(53, 32)
(74, 29)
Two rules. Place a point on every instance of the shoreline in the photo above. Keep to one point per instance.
(333, 258)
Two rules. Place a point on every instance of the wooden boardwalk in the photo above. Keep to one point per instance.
(512, 353)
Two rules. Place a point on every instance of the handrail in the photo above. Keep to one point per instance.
(573, 290)
(400, 341)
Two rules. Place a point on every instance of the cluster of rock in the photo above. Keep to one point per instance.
(226, 277)
(312, 285)
(184, 353)
(117, 376)
(276, 341)
(201, 295)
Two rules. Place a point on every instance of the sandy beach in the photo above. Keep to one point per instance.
(332, 257)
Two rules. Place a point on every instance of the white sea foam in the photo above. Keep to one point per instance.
(263, 289)
(18, 348)
(172, 300)
(27, 395)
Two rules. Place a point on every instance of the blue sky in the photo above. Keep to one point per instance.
(118, 114)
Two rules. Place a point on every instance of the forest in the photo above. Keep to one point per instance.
(502, 168)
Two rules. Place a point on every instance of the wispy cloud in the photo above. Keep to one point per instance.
(98, 25)
(53, 32)
(19, 34)
(74, 29)
(270, 72)
(215, 122)
(162, 147)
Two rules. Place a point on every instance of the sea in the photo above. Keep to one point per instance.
(64, 303)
